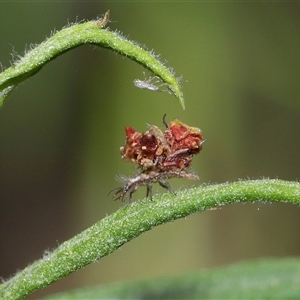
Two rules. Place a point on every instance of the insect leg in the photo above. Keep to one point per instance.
(132, 190)
(149, 191)
(165, 185)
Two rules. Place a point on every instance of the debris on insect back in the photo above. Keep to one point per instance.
(159, 155)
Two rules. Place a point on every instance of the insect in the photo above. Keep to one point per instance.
(159, 156)
(149, 176)
(104, 20)
(147, 84)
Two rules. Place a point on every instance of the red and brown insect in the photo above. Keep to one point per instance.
(159, 155)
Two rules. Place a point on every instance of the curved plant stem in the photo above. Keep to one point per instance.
(131, 220)
(91, 32)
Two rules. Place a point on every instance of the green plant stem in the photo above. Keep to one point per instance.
(132, 220)
(79, 34)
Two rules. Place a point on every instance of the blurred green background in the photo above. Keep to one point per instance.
(61, 130)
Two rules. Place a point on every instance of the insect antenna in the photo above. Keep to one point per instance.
(164, 121)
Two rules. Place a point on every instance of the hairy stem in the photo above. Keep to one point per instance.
(131, 220)
(91, 32)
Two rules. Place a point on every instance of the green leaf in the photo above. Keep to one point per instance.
(91, 32)
(261, 279)
(130, 221)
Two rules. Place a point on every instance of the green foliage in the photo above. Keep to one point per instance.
(80, 34)
(262, 279)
